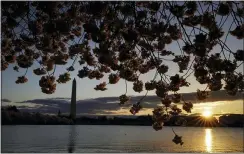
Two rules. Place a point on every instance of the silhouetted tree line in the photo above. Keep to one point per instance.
(12, 116)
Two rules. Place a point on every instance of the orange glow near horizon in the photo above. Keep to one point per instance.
(207, 113)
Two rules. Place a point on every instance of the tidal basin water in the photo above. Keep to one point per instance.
(84, 138)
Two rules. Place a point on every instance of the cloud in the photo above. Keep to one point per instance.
(151, 100)
(6, 100)
(108, 105)
(102, 105)
(89, 106)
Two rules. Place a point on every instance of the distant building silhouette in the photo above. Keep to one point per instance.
(73, 101)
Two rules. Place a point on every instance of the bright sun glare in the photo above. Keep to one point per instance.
(207, 113)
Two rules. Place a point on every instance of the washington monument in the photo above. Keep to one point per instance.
(73, 101)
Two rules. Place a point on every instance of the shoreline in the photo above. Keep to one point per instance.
(12, 116)
(115, 125)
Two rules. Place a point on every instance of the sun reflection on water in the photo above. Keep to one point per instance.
(208, 140)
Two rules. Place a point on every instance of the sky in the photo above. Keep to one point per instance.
(31, 91)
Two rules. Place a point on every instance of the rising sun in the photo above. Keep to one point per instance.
(207, 113)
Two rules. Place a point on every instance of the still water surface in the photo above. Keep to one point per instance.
(84, 138)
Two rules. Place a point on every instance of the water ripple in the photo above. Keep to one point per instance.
(107, 139)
